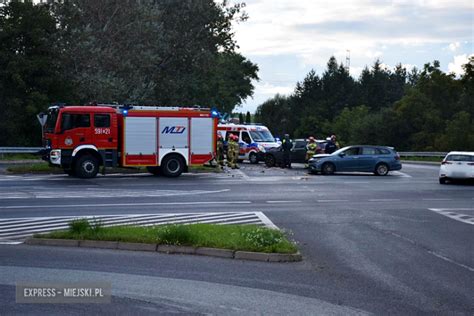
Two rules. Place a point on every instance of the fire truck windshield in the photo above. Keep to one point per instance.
(51, 121)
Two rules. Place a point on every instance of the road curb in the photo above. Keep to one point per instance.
(136, 246)
(52, 242)
(98, 244)
(169, 249)
(215, 252)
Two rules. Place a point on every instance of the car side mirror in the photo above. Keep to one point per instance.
(342, 155)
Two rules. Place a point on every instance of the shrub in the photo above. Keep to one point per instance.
(79, 226)
(175, 235)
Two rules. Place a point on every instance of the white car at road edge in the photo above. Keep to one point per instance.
(457, 165)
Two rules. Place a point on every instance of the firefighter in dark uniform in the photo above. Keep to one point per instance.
(286, 145)
(332, 145)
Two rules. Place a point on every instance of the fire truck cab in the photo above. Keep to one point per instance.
(81, 139)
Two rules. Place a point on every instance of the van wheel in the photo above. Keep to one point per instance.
(153, 170)
(87, 167)
(172, 166)
(253, 158)
(381, 169)
(328, 168)
(442, 180)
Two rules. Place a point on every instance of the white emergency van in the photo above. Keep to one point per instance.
(254, 140)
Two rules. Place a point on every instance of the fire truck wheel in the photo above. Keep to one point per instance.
(153, 170)
(172, 166)
(87, 167)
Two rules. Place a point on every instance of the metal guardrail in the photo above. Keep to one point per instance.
(422, 154)
(19, 150)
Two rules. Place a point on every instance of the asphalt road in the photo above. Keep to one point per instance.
(400, 244)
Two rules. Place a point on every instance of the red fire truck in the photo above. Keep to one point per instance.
(166, 140)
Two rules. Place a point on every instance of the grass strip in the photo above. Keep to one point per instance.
(234, 237)
(13, 157)
(40, 167)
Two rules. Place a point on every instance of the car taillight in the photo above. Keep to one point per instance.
(397, 157)
(446, 162)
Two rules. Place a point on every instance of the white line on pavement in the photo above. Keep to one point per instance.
(265, 220)
(400, 174)
(124, 204)
(104, 193)
(452, 213)
(283, 201)
(451, 261)
(356, 182)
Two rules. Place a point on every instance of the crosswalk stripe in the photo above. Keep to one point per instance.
(13, 230)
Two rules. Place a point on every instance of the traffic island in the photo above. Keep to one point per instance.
(243, 242)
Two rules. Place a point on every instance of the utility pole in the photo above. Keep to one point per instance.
(348, 60)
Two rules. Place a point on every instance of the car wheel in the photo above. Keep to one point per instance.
(172, 166)
(154, 170)
(442, 180)
(328, 168)
(270, 161)
(381, 169)
(87, 167)
(253, 158)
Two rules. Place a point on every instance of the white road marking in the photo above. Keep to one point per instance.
(102, 193)
(283, 201)
(10, 242)
(400, 174)
(356, 182)
(123, 204)
(451, 213)
(451, 261)
(265, 220)
(14, 229)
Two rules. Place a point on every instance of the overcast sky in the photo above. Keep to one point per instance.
(289, 38)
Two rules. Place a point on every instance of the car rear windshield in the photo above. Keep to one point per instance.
(460, 158)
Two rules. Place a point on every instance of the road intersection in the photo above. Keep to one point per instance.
(370, 244)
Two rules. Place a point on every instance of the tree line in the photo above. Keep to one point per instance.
(160, 52)
(425, 110)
